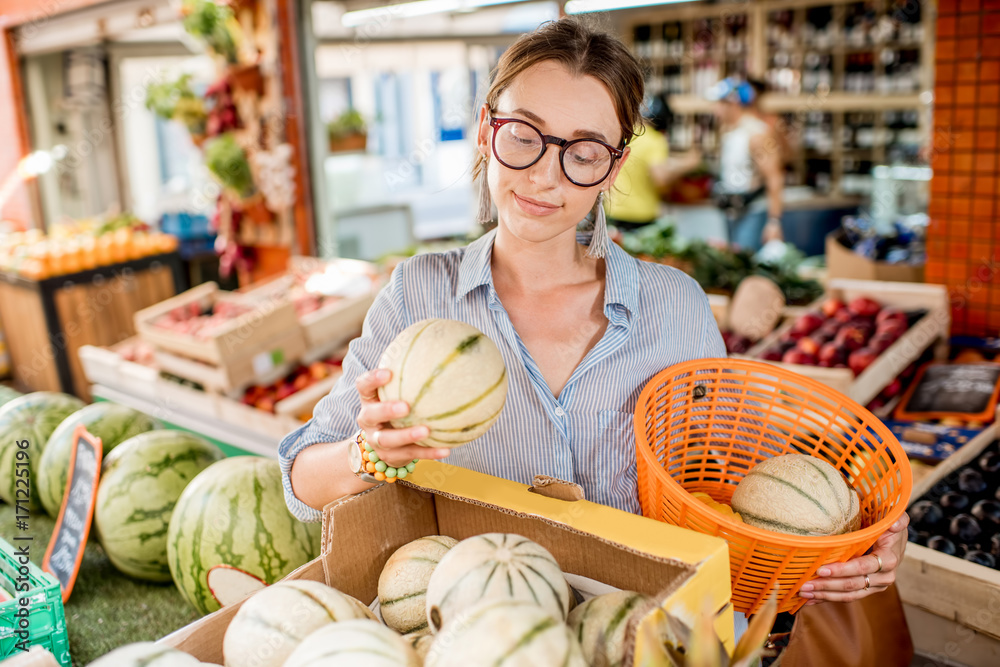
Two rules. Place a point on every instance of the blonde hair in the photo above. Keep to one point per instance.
(585, 52)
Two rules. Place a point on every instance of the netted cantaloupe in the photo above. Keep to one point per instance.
(451, 375)
(500, 566)
(402, 586)
(271, 624)
(505, 632)
(797, 494)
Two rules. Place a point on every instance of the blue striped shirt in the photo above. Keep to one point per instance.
(657, 317)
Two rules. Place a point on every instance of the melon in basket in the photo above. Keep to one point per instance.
(451, 375)
(359, 643)
(274, 621)
(498, 566)
(402, 586)
(797, 494)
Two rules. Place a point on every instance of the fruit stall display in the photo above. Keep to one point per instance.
(861, 335)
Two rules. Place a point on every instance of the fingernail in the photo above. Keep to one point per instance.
(824, 572)
(807, 587)
(805, 594)
(399, 409)
(443, 453)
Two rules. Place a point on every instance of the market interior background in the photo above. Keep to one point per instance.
(351, 136)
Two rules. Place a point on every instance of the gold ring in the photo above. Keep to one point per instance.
(868, 582)
(879, 559)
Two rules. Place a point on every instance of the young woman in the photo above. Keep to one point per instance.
(581, 328)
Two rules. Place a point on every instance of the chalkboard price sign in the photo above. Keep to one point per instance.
(959, 391)
(62, 559)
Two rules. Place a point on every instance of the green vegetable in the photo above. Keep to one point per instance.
(174, 100)
(348, 123)
(227, 160)
(213, 23)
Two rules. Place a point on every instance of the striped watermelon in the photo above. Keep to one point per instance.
(7, 395)
(600, 624)
(146, 654)
(141, 481)
(275, 620)
(234, 513)
(451, 375)
(361, 643)
(498, 566)
(402, 586)
(505, 632)
(32, 417)
(110, 422)
(797, 494)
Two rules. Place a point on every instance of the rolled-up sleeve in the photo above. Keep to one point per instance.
(334, 418)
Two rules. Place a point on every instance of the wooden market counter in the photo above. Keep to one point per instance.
(46, 321)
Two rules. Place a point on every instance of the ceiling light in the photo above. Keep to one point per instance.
(587, 6)
(407, 10)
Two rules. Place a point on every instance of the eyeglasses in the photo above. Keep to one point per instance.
(518, 144)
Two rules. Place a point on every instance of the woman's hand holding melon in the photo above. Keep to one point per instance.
(845, 582)
(394, 446)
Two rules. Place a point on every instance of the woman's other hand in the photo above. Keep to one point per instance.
(845, 582)
(394, 446)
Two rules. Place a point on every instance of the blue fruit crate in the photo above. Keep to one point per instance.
(45, 621)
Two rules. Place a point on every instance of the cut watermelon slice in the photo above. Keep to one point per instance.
(230, 584)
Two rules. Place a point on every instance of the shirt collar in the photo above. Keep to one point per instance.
(621, 277)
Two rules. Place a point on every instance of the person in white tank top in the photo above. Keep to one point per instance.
(751, 177)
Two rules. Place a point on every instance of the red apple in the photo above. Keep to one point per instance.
(792, 336)
(830, 328)
(892, 390)
(893, 327)
(843, 315)
(773, 353)
(809, 345)
(890, 313)
(881, 342)
(808, 323)
(798, 357)
(832, 353)
(832, 306)
(864, 306)
(738, 344)
(851, 337)
(861, 359)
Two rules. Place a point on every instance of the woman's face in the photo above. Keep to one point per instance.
(539, 203)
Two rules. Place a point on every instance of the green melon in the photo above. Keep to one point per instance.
(505, 632)
(359, 643)
(32, 418)
(797, 494)
(112, 423)
(600, 625)
(402, 586)
(451, 375)
(234, 514)
(146, 654)
(141, 481)
(7, 395)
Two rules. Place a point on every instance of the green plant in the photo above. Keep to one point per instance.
(227, 160)
(213, 23)
(348, 123)
(174, 100)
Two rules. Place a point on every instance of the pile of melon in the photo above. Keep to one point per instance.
(490, 599)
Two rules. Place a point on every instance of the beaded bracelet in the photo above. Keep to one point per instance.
(378, 468)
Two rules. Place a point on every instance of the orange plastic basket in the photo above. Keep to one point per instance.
(701, 425)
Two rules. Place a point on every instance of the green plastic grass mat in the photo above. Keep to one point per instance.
(107, 609)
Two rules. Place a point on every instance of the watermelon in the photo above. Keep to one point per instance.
(402, 586)
(7, 395)
(32, 418)
(110, 422)
(360, 643)
(146, 654)
(600, 625)
(505, 632)
(451, 375)
(498, 566)
(797, 494)
(234, 513)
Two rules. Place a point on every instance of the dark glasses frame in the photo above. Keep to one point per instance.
(563, 144)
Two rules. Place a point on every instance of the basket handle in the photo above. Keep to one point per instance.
(552, 487)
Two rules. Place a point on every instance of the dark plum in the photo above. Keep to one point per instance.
(965, 528)
(990, 462)
(941, 488)
(926, 513)
(971, 481)
(912, 535)
(955, 501)
(995, 545)
(942, 544)
(987, 511)
(981, 558)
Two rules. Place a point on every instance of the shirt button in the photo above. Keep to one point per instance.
(560, 412)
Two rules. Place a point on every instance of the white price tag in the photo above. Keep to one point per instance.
(265, 362)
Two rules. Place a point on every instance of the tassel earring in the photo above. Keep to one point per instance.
(599, 241)
(485, 213)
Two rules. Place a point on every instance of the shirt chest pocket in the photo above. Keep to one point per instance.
(614, 421)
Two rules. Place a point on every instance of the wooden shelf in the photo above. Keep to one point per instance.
(778, 103)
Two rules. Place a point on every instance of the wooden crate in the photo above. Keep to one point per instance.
(264, 364)
(46, 322)
(932, 328)
(103, 365)
(245, 335)
(285, 418)
(947, 586)
(336, 322)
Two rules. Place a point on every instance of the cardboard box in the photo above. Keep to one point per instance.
(842, 262)
(623, 550)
